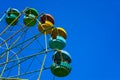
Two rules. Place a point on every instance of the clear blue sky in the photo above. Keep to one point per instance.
(93, 28)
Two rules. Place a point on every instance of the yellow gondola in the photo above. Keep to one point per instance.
(46, 27)
(46, 23)
(58, 31)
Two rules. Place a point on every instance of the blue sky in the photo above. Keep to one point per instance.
(93, 28)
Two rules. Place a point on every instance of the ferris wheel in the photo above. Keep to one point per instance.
(26, 38)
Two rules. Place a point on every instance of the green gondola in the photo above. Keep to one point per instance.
(61, 70)
(30, 17)
(12, 16)
(61, 66)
